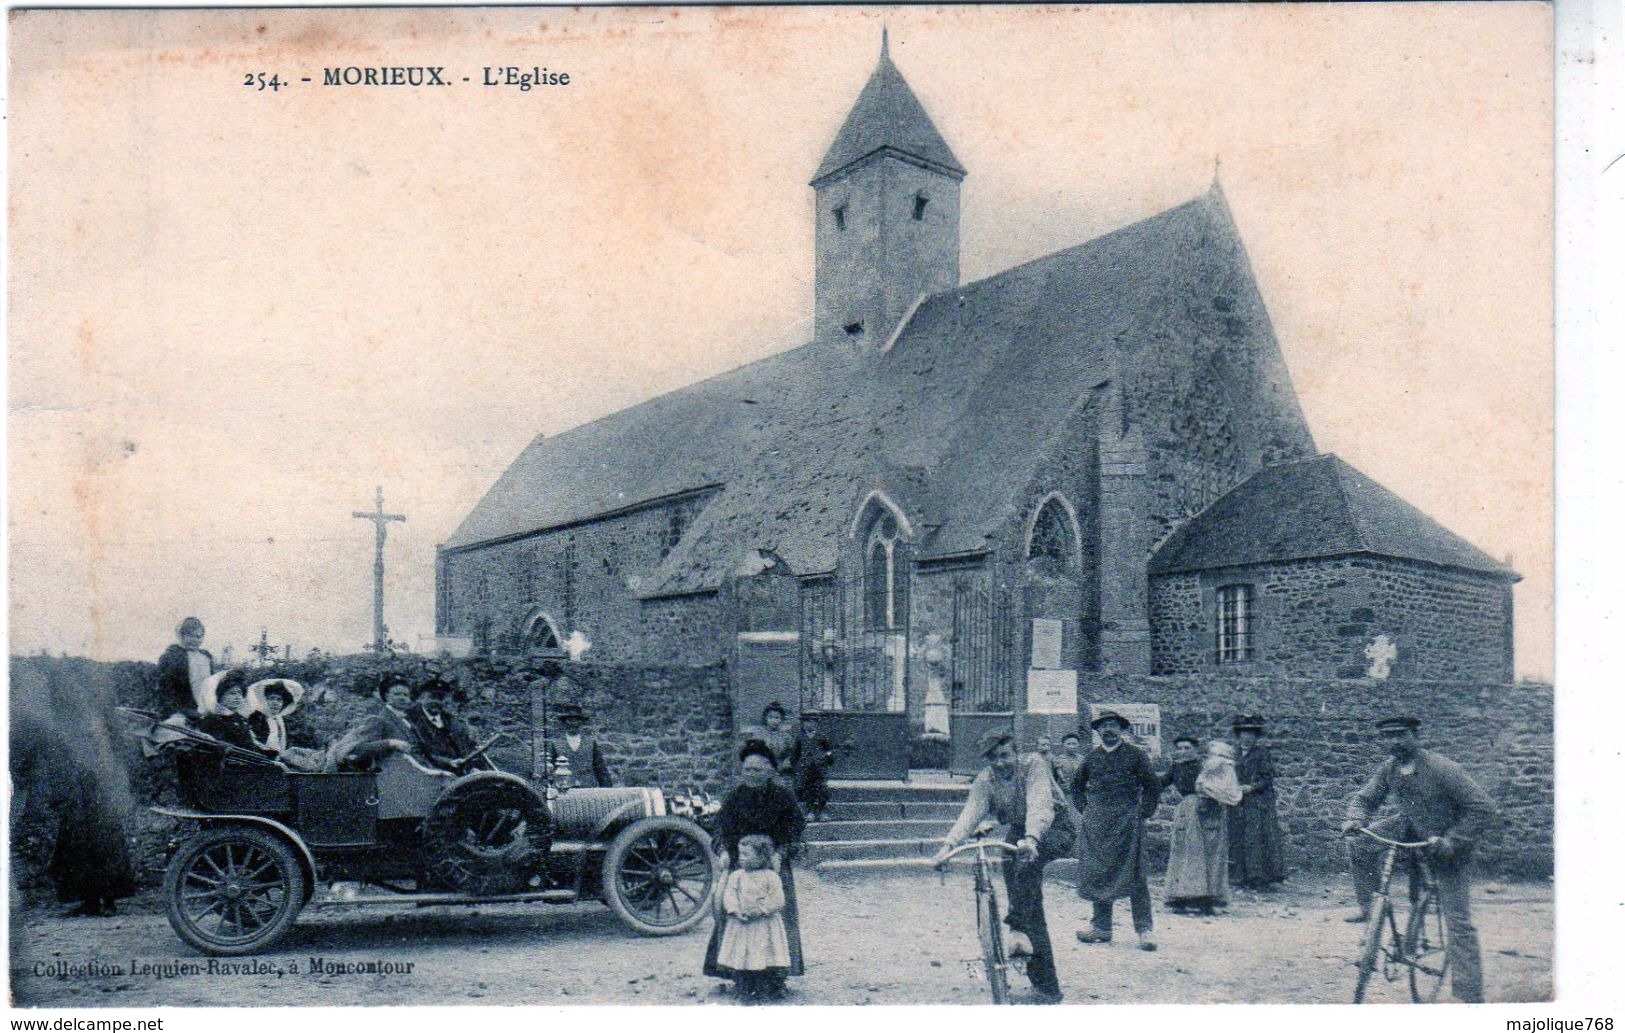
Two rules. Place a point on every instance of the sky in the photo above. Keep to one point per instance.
(234, 312)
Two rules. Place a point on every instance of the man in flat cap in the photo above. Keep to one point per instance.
(1020, 794)
(1440, 803)
(1116, 790)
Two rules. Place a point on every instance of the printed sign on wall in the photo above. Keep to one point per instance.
(1046, 644)
(1052, 692)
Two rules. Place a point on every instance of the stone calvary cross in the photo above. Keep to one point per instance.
(380, 521)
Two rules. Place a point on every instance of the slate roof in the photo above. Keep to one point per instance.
(1320, 507)
(887, 114)
(952, 421)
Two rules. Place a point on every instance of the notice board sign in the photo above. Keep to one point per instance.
(1046, 644)
(1052, 692)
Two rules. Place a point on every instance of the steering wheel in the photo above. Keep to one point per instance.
(479, 751)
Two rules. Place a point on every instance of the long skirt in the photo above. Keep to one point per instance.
(1255, 842)
(792, 930)
(1198, 854)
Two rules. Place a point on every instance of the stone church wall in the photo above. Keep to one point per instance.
(685, 629)
(580, 576)
(1325, 749)
(1315, 619)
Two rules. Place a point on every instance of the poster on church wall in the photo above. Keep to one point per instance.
(1046, 643)
(1052, 692)
(975, 346)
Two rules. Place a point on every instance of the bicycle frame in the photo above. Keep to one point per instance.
(1401, 951)
(989, 927)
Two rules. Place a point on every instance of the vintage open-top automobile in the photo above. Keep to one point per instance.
(269, 838)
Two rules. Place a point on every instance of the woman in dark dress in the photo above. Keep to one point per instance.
(1256, 860)
(761, 806)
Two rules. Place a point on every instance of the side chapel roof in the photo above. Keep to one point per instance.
(1314, 508)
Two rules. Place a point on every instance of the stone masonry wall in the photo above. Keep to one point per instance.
(1315, 619)
(1325, 749)
(583, 577)
(685, 629)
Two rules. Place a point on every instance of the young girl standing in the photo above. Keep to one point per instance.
(754, 946)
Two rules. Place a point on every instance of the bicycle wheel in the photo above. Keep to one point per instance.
(1371, 947)
(991, 933)
(1427, 948)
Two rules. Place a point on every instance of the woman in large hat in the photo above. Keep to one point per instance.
(1256, 858)
(270, 701)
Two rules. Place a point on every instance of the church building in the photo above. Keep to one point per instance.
(956, 495)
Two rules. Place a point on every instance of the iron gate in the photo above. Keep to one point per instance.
(986, 660)
(854, 678)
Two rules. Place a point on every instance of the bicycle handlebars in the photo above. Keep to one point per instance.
(978, 844)
(1390, 842)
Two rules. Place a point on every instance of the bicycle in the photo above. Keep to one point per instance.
(1422, 951)
(996, 963)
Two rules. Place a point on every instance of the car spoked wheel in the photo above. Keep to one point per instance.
(487, 836)
(234, 890)
(658, 875)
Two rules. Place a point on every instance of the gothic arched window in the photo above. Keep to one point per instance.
(880, 609)
(542, 633)
(1053, 544)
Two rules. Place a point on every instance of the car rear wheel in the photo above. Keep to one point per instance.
(234, 890)
(658, 876)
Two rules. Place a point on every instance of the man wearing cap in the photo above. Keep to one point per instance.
(443, 738)
(580, 751)
(1116, 791)
(1021, 794)
(1440, 803)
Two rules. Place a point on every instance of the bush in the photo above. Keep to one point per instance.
(928, 750)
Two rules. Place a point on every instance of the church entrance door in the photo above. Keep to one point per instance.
(854, 680)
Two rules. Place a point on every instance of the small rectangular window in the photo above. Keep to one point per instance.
(920, 201)
(840, 217)
(1235, 624)
(854, 329)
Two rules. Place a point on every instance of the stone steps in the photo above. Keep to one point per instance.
(893, 810)
(870, 849)
(876, 826)
(837, 831)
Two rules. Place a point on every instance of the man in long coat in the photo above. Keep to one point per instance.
(1116, 791)
(1441, 804)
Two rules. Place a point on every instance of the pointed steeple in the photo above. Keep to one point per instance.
(888, 115)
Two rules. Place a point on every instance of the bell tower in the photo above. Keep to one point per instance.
(887, 210)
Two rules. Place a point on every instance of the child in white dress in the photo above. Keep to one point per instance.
(754, 947)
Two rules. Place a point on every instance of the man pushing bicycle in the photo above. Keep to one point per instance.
(1021, 794)
(1441, 804)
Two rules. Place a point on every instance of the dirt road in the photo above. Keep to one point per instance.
(895, 940)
